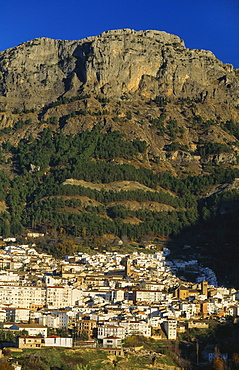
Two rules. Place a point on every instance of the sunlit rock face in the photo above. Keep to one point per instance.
(115, 63)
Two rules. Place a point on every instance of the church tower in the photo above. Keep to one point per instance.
(204, 286)
(128, 267)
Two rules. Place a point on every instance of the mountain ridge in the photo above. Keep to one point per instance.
(148, 63)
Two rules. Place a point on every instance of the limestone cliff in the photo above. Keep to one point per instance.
(115, 63)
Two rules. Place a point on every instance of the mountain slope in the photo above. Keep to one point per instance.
(126, 133)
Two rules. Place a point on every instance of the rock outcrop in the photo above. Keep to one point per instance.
(116, 63)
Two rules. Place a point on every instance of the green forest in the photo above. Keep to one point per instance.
(36, 198)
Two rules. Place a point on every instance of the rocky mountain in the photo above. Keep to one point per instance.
(145, 64)
(119, 73)
(128, 133)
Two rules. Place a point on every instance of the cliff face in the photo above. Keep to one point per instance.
(115, 63)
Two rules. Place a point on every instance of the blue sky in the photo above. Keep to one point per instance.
(202, 24)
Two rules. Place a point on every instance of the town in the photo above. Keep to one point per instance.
(99, 300)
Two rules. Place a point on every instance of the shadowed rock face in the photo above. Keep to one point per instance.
(145, 63)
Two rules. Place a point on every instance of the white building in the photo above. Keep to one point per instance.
(76, 297)
(58, 296)
(55, 341)
(111, 342)
(170, 327)
(110, 330)
(117, 295)
(17, 314)
(23, 296)
(63, 318)
(32, 329)
(2, 315)
(136, 328)
(147, 296)
(49, 320)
